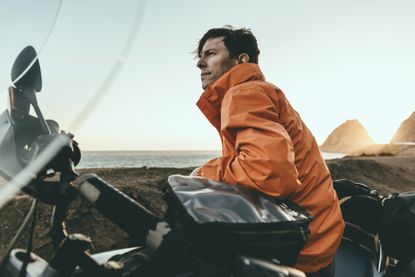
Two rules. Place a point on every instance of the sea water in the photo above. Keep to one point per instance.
(178, 159)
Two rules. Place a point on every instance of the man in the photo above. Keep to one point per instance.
(265, 144)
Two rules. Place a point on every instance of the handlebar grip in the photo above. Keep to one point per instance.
(122, 210)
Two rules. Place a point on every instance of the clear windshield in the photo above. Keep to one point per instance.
(80, 58)
(24, 23)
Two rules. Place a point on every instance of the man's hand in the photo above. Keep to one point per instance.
(195, 172)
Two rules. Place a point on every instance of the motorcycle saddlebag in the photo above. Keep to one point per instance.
(397, 228)
(228, 220)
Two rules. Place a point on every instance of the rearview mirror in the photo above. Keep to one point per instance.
(26, 73)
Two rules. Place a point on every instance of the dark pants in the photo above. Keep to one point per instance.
(324, 272)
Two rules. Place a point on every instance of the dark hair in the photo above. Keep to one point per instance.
(237, 41)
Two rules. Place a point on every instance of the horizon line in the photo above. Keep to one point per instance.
(160, 150)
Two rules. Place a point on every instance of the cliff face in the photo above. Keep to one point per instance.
(349, 137)
(405, 132)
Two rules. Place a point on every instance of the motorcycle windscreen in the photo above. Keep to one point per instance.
(24, 23)
(9, 163)
(77, 50)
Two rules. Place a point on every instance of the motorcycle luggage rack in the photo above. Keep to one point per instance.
(367, 241)
(360, 236)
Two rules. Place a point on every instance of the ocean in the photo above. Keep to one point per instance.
(178, 159)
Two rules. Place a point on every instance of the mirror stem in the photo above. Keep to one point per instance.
(31, 96)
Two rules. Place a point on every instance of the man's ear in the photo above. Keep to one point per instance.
(243, 58)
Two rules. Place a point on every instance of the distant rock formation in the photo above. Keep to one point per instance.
(349, 137)
(405, 132)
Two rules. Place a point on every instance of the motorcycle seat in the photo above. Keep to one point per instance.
(353, 260)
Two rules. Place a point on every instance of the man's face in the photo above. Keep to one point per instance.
(214, 61)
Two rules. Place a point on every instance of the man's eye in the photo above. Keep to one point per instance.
(210, 53)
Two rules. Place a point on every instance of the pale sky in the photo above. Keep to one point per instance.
(335, 60)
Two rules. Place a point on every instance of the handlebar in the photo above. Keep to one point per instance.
(112, 203)
(122, 210)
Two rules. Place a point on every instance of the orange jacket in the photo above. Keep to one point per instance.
(266, 145)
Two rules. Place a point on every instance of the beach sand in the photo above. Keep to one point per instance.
(384, 174)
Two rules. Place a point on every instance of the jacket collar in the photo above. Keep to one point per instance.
(210, 101)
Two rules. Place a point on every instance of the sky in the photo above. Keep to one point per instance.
(121, 75)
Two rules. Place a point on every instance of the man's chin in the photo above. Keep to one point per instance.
(205, 85)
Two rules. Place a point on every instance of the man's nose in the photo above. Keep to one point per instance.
(200, 63)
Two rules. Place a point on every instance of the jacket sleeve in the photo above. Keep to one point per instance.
(263, 156)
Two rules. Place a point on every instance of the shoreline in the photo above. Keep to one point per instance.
(386, 174)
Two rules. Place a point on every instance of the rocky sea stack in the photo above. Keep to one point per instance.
(349, 137)
(405, 132)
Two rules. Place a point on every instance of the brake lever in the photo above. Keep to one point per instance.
(73, 252)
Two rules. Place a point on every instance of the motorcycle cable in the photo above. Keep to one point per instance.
(29, 247)
(19, 232)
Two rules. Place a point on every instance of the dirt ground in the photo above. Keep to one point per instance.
(384, 174)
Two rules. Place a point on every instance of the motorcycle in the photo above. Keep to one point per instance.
(210, 228)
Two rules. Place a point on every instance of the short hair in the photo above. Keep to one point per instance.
(237, 41)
